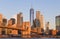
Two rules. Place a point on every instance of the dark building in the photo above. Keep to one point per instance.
(50, 32)
(47, 27)
(31, 16)
(13, 20)
(57, 22)
(36, 23)
(4, 21)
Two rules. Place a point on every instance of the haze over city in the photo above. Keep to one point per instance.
(49, 8)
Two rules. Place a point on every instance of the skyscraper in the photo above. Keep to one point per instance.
(57, 22)
(19, 22)
(31, 16)
(39, 22)
(47, 28)
(39, 16)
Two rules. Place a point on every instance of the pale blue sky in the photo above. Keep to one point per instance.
(49, 8)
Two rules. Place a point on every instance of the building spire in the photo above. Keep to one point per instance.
(31, 5)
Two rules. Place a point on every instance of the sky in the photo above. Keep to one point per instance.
(49, 8)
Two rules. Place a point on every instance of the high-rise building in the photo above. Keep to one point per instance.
(39, 16)
(13, 21)
(57, 22)
(39, 22)
(47, 28)
(31, 16)
(42, 22)
(19, 21)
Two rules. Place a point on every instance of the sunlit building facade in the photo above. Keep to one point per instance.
(40, 17)
(27, 28)
(12, 25)
(47, 27)
(19, 22)
(9, 31)
(1, 17)
(4, 24)
(39, 22)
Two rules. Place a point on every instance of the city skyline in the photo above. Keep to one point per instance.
(49, 8)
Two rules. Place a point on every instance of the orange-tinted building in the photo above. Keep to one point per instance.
(34, 30)
(54, 32)
(19, 20)
(11, 31)
(40, 17)
(15, 32)
(4, 24)
(1, 17)
(27, 27)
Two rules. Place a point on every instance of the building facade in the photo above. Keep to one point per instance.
(4, 24)
(27, 28)
(39, 22)
(19, 22)
(39, 16)
(57, 23)
(31, 16)
(13, 21)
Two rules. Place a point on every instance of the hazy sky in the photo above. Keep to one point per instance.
(49, 8)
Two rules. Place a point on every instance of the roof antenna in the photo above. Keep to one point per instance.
(31, 5)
